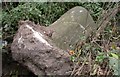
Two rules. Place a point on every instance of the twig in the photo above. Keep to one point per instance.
(73, 70)
(104, 22)
(79, 69)
(90, 61)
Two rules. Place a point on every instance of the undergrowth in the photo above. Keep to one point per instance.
(98, 57)
(99, 54)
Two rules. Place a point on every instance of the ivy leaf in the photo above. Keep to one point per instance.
(114, 55)
(99, 58)
(72, 58)
(114, 64)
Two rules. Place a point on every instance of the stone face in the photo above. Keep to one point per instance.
(69, 27)
(32, 48)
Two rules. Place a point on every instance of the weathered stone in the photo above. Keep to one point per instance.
(32, 48)
(42, 49)
(69, 27)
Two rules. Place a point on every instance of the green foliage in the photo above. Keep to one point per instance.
(72, 58)
(114, 55)
(114, 64)
(100, 57)
(44, 13)
(48, 12)
(114, 61)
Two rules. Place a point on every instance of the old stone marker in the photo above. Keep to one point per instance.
(42, 51)
(69, 27)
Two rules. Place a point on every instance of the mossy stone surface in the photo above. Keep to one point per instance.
(69, 27)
